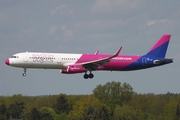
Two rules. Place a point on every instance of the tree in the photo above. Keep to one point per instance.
(44, 113)
(113, 93)
(34, 114)
(177, 112)
(3, 112)
(127, 113)
(93, 113)
(62, 104)
(158, 105)
(3, 109)
(16, 109)
(47, 113)
(89, 108)
(62, 116)
(89, 113)
(102, 113)
(169, 110)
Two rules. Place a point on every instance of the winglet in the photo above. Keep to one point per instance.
(96, 52)
(118, 51)
(116, 54)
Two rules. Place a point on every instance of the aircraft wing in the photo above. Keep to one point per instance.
(93, 65)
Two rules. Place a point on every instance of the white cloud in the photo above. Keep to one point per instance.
(29, 32)
(67, 33)
(3, 17)
(58, 10)
(152, 22)
(99, 23)
(63, 27)
(104, 6)
(53, 30)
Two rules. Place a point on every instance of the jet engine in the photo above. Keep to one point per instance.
(72, 69)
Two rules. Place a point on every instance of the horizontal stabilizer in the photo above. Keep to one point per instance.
(162, 61)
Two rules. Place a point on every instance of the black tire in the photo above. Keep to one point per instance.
(24, 74)
(91, 75)
(86, 76)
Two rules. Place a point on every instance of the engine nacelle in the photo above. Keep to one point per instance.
(72, 69)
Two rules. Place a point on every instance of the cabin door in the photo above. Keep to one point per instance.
(25, 59)
(144, 61)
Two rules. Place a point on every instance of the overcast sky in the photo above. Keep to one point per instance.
(84, 26)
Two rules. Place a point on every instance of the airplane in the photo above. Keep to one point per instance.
(87, 63)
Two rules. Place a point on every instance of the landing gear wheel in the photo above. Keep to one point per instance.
(91, 75)
(24, 74)
(86, 76)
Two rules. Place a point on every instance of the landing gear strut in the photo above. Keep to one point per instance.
(90, 75)
(24, 74)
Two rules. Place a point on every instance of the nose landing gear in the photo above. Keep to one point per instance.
(24, 74)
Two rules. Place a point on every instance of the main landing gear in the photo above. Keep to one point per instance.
(24, 74)
(90, 75)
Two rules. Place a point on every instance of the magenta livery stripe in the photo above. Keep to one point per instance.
(121, 63)
(162, 40)
(116, 63)
(90, 57)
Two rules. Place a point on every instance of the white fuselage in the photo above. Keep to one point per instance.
(43, 60)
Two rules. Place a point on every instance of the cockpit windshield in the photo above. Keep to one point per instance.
(14, 56)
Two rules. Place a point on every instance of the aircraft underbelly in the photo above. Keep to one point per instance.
(113, 66)
(40, 65)
(120, 65)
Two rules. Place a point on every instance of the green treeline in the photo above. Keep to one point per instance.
(112, 101)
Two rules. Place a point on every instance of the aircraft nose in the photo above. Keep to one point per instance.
(7, 61)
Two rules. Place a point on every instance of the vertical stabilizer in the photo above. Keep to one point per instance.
(160, 48)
